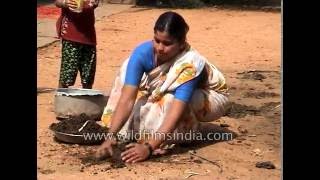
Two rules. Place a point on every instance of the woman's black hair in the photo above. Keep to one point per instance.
(173, 24)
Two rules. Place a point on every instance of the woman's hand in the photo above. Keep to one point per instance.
(135, 153)
(105, 150)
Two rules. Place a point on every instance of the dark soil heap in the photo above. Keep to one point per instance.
(116, 156)
(73, 124)
(269, 109)
(115, 159)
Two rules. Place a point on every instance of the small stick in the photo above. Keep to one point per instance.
(191, 174)
(83, 125)
(213, 162)
(276, 106)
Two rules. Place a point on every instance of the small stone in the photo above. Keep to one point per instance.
(257, 152)
(198, 161)
(241, 138)
(265, 164)
(242, 129)
(224, 125)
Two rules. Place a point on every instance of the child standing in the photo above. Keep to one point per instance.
(77, 32)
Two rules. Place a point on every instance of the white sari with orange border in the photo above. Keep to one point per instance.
(155, 94)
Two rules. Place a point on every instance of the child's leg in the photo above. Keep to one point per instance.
(87, 66)
(69, 63)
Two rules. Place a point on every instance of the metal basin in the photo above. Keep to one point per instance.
(72, 102)
(75, 138)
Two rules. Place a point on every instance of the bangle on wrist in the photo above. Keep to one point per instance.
(150, 149)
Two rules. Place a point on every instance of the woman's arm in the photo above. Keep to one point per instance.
(169, 123)
(183, 94)
(123, 108)
(140, 152)
(120, 116)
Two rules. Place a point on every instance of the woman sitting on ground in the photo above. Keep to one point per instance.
(164, 87)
